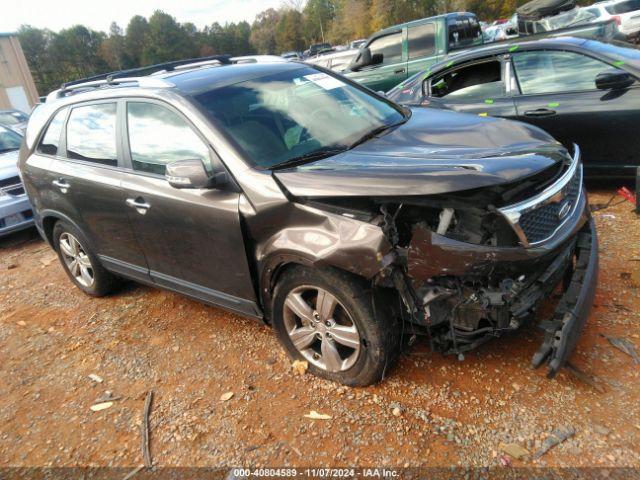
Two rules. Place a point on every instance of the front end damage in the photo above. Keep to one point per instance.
(473, 238)
(477, 265)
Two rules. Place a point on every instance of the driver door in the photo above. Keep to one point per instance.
(393, 69)
(191, 238)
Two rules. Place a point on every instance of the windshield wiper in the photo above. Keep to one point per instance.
(308, 157)
(376, 131)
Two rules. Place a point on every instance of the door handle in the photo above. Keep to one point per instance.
(400, 70)
(139, 204)
(541, 112)
(62, 184)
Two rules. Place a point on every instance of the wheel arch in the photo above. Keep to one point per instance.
(276, 265)
(49, 220)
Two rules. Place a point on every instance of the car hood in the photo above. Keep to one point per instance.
(435, 152)
(8, 164)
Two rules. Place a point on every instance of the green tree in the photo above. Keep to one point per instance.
(318, 16)
(112, 49)
(135, 39)
(263, 31)
(166, 40)
(289, 31)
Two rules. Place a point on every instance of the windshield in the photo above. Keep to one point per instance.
(284, 116)
(9, 140)
(12, 118)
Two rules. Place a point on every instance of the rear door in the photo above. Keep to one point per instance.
(480, 87)
(192, 238)
(559, 95)
(392, 70)
(83, 182)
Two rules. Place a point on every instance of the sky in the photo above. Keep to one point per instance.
(58, 14)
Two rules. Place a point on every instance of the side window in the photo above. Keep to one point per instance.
(158, 136)
(422, 40)
(51, 139)
(91, 134)
(390, 46)
(553, 72)
(480, 81)
(464, 32)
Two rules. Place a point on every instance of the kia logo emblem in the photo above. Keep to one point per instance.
(564, 210)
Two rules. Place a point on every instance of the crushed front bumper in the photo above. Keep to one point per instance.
(564, 327)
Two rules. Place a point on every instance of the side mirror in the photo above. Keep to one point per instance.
(189, 174)
(377, 59)
(362, 60)
(614, 79)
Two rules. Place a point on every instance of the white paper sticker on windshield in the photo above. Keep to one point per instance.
(325, 81)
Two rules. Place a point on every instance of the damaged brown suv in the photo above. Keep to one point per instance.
(290, 194)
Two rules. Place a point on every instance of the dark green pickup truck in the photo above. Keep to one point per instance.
(396, 53)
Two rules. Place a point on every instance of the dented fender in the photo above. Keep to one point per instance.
(317, 238)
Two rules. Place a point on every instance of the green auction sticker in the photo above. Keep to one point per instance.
(488, 101)
(514, 48)
(449, 64)
(426, 74)
(554, 105)
(619, 63)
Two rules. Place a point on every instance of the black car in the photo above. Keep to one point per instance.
(292, 195)
(580, 91)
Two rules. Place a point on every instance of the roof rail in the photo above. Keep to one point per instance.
(149, 82)
(145, 71)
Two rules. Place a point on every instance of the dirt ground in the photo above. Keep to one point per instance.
(430, 411)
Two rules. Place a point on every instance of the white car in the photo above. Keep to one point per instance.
(626, 14)
(337, 61)
(15, 210)
(14, 120)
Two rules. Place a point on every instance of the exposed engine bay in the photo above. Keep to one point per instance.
(463, 273)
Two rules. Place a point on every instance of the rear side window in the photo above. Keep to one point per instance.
(91, 134)
(51, 139)
(158, 136)
(422, 40)
(623, 7)
(390, 46)
(464, 32)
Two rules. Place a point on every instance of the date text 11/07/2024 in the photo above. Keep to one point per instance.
(240, 473)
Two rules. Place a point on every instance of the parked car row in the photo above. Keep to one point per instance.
(580, 91)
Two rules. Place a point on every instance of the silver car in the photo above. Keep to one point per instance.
(14, 120)
(15, 210)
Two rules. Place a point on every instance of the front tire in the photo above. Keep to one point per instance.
(79, 262)
(333, 321)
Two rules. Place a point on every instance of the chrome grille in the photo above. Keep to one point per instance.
(541, 223)
(537, 219)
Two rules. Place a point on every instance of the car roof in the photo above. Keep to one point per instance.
(196, 81)
(423, 20)
(511, 46)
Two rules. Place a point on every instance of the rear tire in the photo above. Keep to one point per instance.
(333, 321)
(79, 262)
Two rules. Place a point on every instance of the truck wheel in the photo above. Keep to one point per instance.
(80, 264)
(332, 320)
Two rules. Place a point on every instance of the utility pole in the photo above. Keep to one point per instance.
(321, 31)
